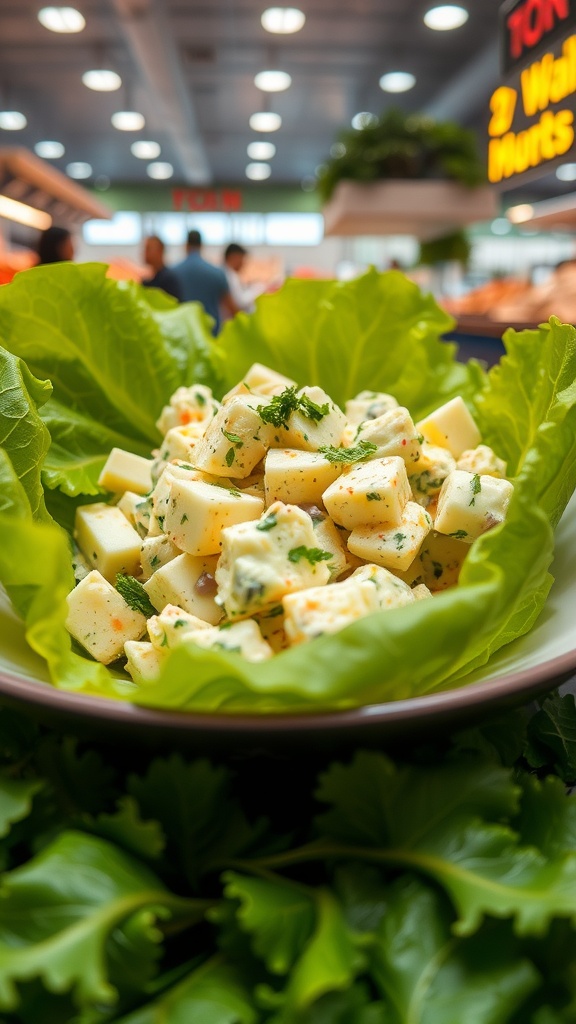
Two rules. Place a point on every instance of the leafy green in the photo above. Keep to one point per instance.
(16, 797)
(213, 994)
(126, 828)
(552, 737)
(312, 555)
(23, 437)
(282, 406)
(279, 916)
(134, 594)
(358, 452)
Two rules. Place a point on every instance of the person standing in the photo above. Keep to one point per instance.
(242, 295)
(55, 245)
(200, 281)
(163, 277)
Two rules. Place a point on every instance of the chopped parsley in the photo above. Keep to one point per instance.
(274, 612)
(230, 456)
(399, 538)
(282, 406)
(373, 496)
(184, 519)
(134, 594)
(179, 623)
(459, 534)
(475, 487)
(233, 438)
(437, 569)
(267, 524)
(312, 555)
(199, 398)
(231, 490)
(360, 451)
(154, 561)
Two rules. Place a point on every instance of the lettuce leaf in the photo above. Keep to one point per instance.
(378, 332)
(23, 436)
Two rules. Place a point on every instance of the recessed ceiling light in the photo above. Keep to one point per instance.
(12, 120)
(272, 81)
(397, 81)
(145, 150)
(102, 80)
(261, 150)
(283, 20)
(128, 120)
(265, 121)
(160, 170)
(24, 214)
(363, 120)
(78, 169)
(61, 19)
(258, 172)
(520, 214)
(446, 17)
(501, 226)
(49, 150)
(566, 172)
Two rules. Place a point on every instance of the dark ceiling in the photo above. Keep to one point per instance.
(189, 68)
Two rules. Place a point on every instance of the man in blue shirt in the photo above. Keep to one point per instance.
(200, 281)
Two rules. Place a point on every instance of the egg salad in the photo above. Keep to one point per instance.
(274, 517)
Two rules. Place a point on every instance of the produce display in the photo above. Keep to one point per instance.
(90, 366)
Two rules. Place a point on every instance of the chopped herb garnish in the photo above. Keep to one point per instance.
(231, 490)
(178, 623)
(267, 524)
(420, 438)
(282, 406)
(199, 398)
(373, 496)
(164, 642)
(312, 410)
(274, 612)
(459, 534)
(312, 555)
(475, 487)
(225, 647)
(233, 438)
(399, 538)
(438, 570)
(225, 625)
(360, 451)
(184, 519)
(230, 456)
(134, 594)
(154, 561)
(161, 521)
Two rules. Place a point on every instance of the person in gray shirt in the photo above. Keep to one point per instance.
(200, 281)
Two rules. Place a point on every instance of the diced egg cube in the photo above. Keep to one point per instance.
(143, 661)
(296, 476)
(160, 496)
(482, 460)
(107, 540)
(124, 471)
(179, 443)
(189, 583)
(452, 427)
(262, 561)
(430, 472)
(393, 433)
(156, 552)
(319, 610)
(236, 440)
(188, 406)
(392, 592)
(469, 504)
(394, 547)
(100, 620)
(369, 405)
(197, 512)
(312, 430)
(261, 380)
(172, 625)
(373, 492)
(242, 638)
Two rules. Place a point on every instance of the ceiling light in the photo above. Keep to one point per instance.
(78, 169)
(12, 120)
(501, 226)
(61, 19)
(102, 80)
(128, 120)
(272, 81)
(397, 81)
(283, 20)
(265, 121)
(11, 209)
(258, 172)
(363, 120)
(160, 170)
(520, 214)
(49, 150)
(261, 150)
(566, 172)
(145, 150)
(445, 18)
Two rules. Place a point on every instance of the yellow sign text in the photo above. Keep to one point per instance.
(516, 152)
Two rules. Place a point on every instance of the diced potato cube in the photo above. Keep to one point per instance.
(394, 547)
(482, 460)
(470, 504)
(198, 512)
(421, 592)
(236, 440)
(319, 610)
(194, 406)
(143, 661)
(369, 405)
(452, 427)
(262, 561)
(180, 443)
(393, 433)
(156, 552)
(271, 623)
(296, 476)
(308, 432)
(373, 492)
(430, 472)
(242, 638)
(173, 471)
(107, 540)
(172, 625)
(144, 517)
(261, 380)
(124, 471)
(189, 583)
(128, 504)
(392, 592)
(330, 538)
(100, 619)
(441, 560)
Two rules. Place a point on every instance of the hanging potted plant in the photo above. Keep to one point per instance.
(404, 175)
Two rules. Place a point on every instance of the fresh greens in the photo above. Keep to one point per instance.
(278, 412)
(424, 890)
(356, 453)
(134, 594)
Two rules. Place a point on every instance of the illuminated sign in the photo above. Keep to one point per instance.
(201, 200)
(532, 116)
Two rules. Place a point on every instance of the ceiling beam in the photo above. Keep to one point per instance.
(149, 37)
